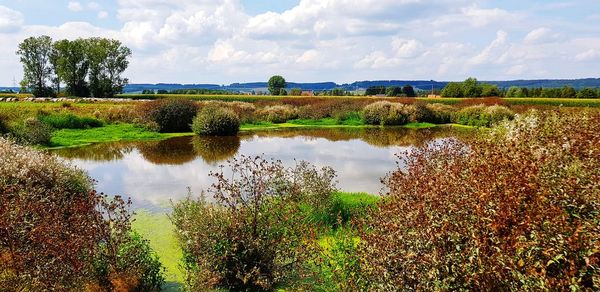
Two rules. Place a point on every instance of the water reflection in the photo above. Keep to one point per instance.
(152, 173)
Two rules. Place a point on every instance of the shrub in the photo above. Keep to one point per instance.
(440, 113)
(52, 224)
(482, 116)
(3, 124)
(278, 113)
(216, 122)
(171, 114)
(329, 108)
(253, 236)
(497, 113)
(387, 113)
(69, 121)
(516, 210)
(244, 110)
(33, 132)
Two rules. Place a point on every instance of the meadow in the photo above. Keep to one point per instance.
(519, 209)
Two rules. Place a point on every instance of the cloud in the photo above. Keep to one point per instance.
(10, 20)
(208, 41)
(75, 6)
(589, 55)
(541, 35)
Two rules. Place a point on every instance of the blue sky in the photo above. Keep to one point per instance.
(223, 41)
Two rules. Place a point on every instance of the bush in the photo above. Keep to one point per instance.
(3, 124)
(387, 113)
(278, 113)
(33, 132)
(244, 110)
(516, 210)
(69, 121)
(440, 113)
(216, 122)
(482, 116)
(52, 225)
(172, 114)
(253, 236)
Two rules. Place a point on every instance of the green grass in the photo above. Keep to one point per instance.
(160, 232)
(323, 123)
(109, 133)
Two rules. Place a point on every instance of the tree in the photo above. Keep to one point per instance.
(375, 90)
(72, 65)
(587, 93)
(296, 92)
(35, 55)
(393, 91)
(568, 92)
(471, 88)
(409, 91)
(488, 90)
(453, 89)
(513, 91)
(108, 60)
(276, 84)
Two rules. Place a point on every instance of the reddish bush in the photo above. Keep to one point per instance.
(485, 101)
(518, 210)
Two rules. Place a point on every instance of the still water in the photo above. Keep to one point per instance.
(154, 173)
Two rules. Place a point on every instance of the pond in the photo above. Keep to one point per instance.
(154, 173)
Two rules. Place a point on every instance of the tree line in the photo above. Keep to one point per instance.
(471, 88)
(88, 67)
(392, 91)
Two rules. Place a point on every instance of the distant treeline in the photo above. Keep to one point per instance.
(392, 91)
(472, 88)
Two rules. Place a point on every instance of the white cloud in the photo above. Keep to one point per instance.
(75, 6)
(317, 40)
(493, 51)
(589, 55)
(541, 35)
(10, 20)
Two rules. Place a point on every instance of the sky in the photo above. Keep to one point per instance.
(226, 41)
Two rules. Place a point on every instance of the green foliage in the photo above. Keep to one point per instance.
(375, 90)
(108, 59)
(440, 113)
(568, 92)
(344, 208)
(488, 90)
(72, 65)
(482, 116)
(214, 121)
(3, 124)
(514, 211)
(276, 85)
(587, 93)
(108, 133)
(393, 91)
(278, 113)
(253, 237)
(35, 53)
(55, 230)
(171, 115)
(453, 89)
(409, 91)
(69, 121)
(387, 113)
(33, 132)
(296, 92)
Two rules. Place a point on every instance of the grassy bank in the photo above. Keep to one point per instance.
(323, 123)
(128, 132)
(109, 133)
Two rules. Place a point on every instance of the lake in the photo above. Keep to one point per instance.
(154, 173)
